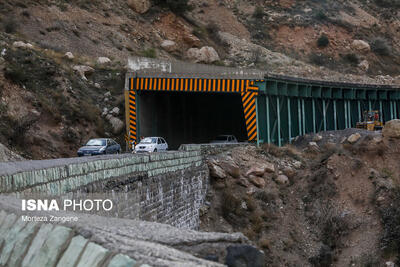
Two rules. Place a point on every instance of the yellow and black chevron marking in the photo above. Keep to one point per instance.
(245, 87)
(132, 117)
(249, 108)
(192, 85)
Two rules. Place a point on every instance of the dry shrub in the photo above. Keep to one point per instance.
(264, 243)
(272, 150)
(390, 214)
(333, 225)
(229, 203)
(251, 204)
(279, 152)
(264, 196)
(257, 221)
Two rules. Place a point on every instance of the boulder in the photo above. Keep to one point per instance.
(191, 40)
(244, 255)
(169, 46)
(107, 94)
(353, 138)
(20, 44)
(361, 46)
(103, 60)
(391, 129)
(268, 167)
(313, 146)
(364, 65)
(206, 54)
(257, 181)
(83, 70)
(243, 182)
(282, 179)
(139, 6)
(255, 170)
(231, 168)
(215, 170)
(289, 172)
(117, 125)
(69, 55)
(251, 190)
(115, 111)
(297, 164)
(317, 138)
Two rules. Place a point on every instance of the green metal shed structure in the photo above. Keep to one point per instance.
(288, 107)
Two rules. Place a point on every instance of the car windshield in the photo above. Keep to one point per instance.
(149, 140)
(221, 138)
(96, 142)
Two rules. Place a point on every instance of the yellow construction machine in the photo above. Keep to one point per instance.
(371, 121)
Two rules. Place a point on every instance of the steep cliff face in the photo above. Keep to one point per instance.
(56, 104)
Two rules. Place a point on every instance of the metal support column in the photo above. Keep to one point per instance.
(334, 114)
(268, 122)
(380, 108)
(345, 115)
(370, 106)
(303, 116)
(299, 113)
(278, 112)
(313, 116)
(395, 109)
(289, 120)
(349, 111)
(391, 110)
(359, 110)
(258, 126)
(324, 113)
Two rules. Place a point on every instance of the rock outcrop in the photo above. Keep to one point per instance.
(361, 46)
(169, 46)
(353, 138)
(139, 6)
(206, 54)
(83, 70)
(391, 129)
(8, 155)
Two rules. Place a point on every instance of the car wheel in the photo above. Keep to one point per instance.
(155, 150)
(117, 152)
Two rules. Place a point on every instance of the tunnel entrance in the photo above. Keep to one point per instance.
(190, 117)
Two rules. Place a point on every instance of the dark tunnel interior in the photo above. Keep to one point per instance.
(183, 118)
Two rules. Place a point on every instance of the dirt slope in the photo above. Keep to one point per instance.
(54, 109)
(338, 206)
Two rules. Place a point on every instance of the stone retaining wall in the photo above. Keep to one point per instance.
(165, 187)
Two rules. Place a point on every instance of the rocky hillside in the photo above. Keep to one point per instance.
(332, 199)
(62, 62)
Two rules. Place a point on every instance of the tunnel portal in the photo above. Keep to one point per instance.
(190, 117)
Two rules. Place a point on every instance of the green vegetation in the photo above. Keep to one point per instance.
(388, 3)
(176, 6)
(258, 13)
(380, 46)
(352, 59)
(151, 53)
(10, 25)
(323, 41)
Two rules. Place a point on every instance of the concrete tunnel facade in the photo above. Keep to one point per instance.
(194, 108)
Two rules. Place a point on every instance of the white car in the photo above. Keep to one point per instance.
(151, 144)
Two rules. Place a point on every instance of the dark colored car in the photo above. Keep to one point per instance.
(99, 146)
